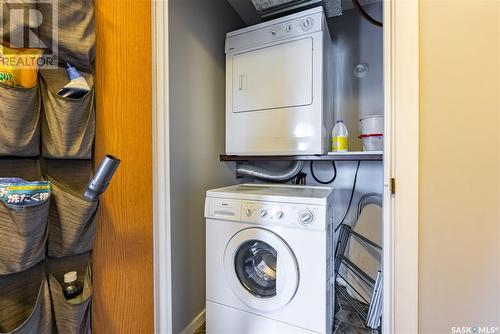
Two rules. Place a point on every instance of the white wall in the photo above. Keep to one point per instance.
(459, 241)
(197, 87)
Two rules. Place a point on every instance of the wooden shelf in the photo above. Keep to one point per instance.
(331, 156)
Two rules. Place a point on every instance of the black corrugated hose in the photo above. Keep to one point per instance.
(365, 14)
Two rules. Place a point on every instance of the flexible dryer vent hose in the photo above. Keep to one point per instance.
(263, 174)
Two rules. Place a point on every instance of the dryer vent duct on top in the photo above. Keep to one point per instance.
(255, 11)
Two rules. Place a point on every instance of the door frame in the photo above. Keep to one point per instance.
(401, 162)
(161, 169)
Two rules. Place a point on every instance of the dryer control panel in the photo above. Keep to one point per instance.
(292, 26)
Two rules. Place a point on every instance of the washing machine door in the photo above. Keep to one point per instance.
(261, 268)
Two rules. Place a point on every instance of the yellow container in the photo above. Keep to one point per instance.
(340, 137)
(18, 67)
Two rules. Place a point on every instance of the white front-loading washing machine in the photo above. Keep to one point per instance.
(279, 79)
(269, 259)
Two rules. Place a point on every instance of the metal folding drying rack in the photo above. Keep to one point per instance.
(370, 312)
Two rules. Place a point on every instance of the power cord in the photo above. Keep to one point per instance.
(300, 178)
(366, 15)
(350, 199)
(311, 166)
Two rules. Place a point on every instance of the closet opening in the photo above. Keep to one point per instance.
(238, 79)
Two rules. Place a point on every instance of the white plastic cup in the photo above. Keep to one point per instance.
(372, 142)
(371, 125)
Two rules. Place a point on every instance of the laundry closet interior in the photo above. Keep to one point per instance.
(229, 104)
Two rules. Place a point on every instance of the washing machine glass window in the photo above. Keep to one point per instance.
(261, 269)
(255, 265)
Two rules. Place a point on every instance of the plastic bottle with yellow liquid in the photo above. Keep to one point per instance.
(340, 137)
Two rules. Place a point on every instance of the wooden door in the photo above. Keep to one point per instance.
(123, 256)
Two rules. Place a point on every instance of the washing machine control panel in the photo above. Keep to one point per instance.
(285, 214)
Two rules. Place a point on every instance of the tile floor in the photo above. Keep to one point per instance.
(347, 321)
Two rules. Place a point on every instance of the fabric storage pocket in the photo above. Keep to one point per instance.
(68, 125)
(25, 303)
(23, 236)
(19, 121)
(26, 169)
(75, 30)
(72, 220)
(13, 23)
(71, 317)
(74, 174)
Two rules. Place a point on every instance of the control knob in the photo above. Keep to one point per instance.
(307, 24)
(248, 212)
(280, 214)
(306, 217)
(263, 213)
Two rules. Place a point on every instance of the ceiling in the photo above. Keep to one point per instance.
(250, 16)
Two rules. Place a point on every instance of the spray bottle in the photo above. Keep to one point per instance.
(77, 86)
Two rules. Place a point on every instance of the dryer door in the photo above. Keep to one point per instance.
(277, 76)
(261, 268)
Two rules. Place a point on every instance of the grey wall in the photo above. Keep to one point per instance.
(355, 41)
(197, 107)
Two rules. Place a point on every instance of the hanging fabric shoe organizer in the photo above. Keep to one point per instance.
(48, 137)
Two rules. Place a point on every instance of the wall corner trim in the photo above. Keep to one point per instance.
(195, 323)
(161, 170)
